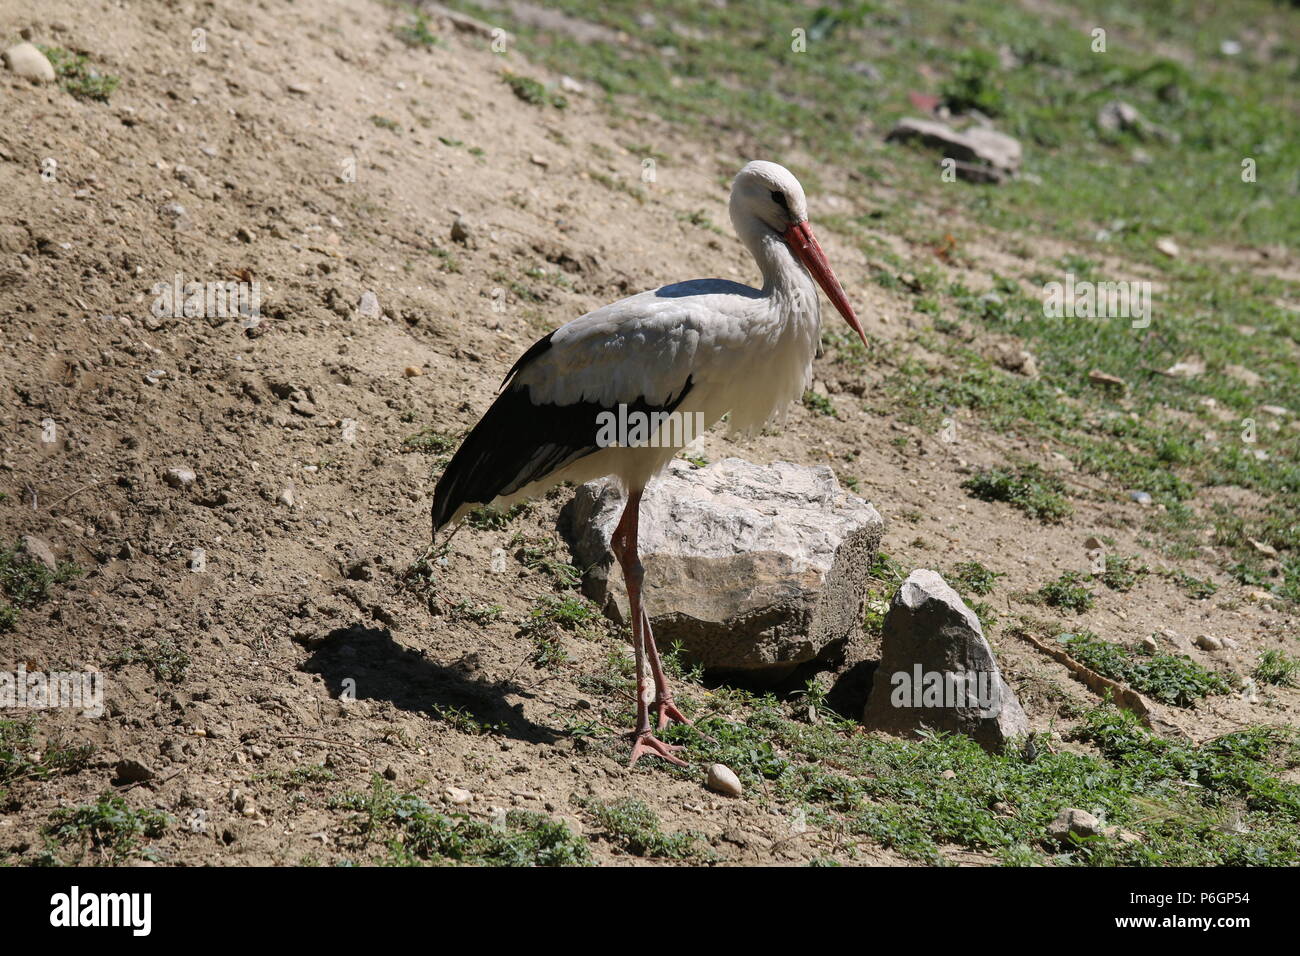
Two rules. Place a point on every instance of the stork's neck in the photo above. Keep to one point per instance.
(785, 281)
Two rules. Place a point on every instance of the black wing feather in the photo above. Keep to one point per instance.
(518, 442)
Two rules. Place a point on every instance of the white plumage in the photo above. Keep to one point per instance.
(707, 346)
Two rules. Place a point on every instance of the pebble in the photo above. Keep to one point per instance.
(412, 371)
(180, 477)
(1168, 247)
(27, 61)
(723, 780)
(1141, 497)
(458, 796)
(286, 497)
(1150, 644)
(133, 771)
(1208, 642)
(498, 562)
(39, 550)
(368, 307)
(1071, 822)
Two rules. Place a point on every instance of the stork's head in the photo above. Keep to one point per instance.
(766, 196)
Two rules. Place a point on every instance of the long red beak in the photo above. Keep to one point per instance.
(805, 246)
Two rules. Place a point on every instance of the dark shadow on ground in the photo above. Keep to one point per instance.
(382, 669)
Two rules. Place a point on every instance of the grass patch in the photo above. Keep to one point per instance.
(971, 577)
(165, 659)
(26, 582)
(1277, 667)
(633, 828)
(1068, 592)
(1122, 573)
(1176, 680)
(78, 77)
(23, 757)
(1029, 489)
(415, 833)
(489, 518)
(108, 829)
(533, 92)
(821, 404)
(416, 32)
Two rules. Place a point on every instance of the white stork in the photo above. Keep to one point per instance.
(705, 346)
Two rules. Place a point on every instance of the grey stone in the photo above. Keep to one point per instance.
(937, 671)
(25, 60)
(180, 477)
(38, 549)
(133, 771)
(1071, 823)
(980, 154)
(754, 568)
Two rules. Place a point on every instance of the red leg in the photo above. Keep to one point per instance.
(663, 694)
(624, 545)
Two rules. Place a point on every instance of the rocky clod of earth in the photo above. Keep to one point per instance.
(980, 155)
(752, 568)
(937, 671)
(27, 61)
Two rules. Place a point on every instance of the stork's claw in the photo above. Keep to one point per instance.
(647, 743)
(668, 712)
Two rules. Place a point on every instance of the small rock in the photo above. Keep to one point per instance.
(1141, 497)
(498, 562)
(133, 771)
(39, 550)
(980, 155)
(1071, 823)
(1118, 115)
(722, 780)
(458, 796)
(368, 307)
(1168, 247)
(1093, 543)
(949, 774)
(461, 230)
(302, 89)
(570, 85)
(1208, 642)
(1150, 644)
(30, 63)
(1257, 595)
(286, 497)
(412, 371)
(1189, 367)
(1263, 548)
(1098, 377)
(180, 477)
(1277, 411)
(541, 161)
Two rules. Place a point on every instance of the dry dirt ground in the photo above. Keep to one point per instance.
(255, 138)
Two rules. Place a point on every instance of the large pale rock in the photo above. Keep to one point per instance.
(980, 154)
(754, 568)
(936, 669)
(25, 60)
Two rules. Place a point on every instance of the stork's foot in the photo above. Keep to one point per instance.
(646, 743)
(668, 712)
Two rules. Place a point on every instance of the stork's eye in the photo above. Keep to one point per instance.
(778, 197)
